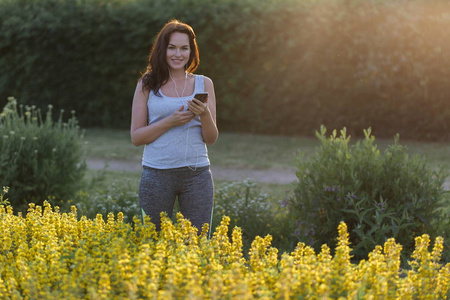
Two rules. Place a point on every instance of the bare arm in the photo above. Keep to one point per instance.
(142, 133)
(207, 114)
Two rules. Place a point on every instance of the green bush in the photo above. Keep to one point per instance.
(250, 209)
(253, 211)
(351, 63)
(116, 198)
(39, 157)
(379, 194)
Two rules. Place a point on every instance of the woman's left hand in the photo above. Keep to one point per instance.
(198, 107)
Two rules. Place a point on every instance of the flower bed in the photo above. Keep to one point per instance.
(54, 255)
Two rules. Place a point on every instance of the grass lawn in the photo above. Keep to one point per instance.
(230, 150)
(100, 179)
(236, 151)
(247, 150)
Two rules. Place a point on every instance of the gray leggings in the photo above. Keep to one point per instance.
(160, 187)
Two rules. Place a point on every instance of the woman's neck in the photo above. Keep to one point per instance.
(178, 75)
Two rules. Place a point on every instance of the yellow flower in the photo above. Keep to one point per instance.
(49, 254)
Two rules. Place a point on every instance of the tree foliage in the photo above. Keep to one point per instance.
(282, 67)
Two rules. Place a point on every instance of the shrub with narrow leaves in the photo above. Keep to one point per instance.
(379, 194)
(39, 157)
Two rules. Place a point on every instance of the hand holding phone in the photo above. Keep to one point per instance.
(201, 96)
(198, 108)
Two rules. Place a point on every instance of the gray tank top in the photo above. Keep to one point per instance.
(180, 146)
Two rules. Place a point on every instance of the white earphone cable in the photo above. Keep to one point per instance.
(188, 127)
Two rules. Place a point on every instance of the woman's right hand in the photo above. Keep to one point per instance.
(181, 117)
(143, 133)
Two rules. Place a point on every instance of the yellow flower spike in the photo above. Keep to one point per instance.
(3, 290)
(167, 229)
(120, 217)
(237, 283)
(303, 255)
(182, 275)
(323, 291)
(343, 239)
(47, 207)
(372, 271)
(263, 264)
(205, 231)
(421, 248)
(343, 281)
(220, 240)
(104, 287)
(147, 272)
(99, 222)
(324, 255)
(110, 222)
(392, 253)
(52, 255)
(31, 207)
(256, 252)
(13, 289)
(288, 283)
(323, 271)
(180, 219)
(186, 232)
(437, 249)
(222, 229)
(443, 282)
(424, 276)
(73, 210)
(143, 231)
(236, 254)
(272, 257)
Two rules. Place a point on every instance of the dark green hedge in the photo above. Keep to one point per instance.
(279, 66)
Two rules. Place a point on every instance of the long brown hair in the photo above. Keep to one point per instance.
(157, 72)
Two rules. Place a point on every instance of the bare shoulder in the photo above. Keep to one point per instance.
(208, 82)
(140, 92)
(139, 85)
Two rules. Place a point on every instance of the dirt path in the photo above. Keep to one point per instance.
(221, 173)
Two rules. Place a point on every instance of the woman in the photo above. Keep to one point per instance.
(175, 128)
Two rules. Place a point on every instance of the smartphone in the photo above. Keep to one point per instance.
(201, 96)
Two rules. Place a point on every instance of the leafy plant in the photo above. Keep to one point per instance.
(379, 194)
(114, 199)
(39, 157)
(4, 201)
(52, 255)
(253, 211)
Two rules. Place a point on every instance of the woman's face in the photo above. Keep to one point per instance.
(178, 51)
